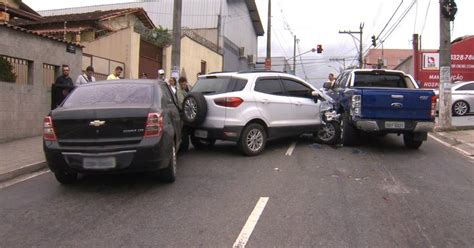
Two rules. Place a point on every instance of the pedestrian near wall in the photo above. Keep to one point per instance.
(86, 77)
(116, 75)
(183, 90)
(172, 84)
(61, 87)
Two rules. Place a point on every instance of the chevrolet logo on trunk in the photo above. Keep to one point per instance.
(96, 123)
(397, 105)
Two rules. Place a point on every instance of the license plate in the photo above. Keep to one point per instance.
(395, 124)
(200, 134)
(98, 163)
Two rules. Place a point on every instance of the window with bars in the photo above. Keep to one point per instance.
(22, 69)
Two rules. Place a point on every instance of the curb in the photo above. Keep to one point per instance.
(455, 143)
(22, 170)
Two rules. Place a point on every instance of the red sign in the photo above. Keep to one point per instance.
(462, 64)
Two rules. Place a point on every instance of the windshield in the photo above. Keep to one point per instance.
(110, 94)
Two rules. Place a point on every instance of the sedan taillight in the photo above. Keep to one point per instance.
(48, 130)
(154, 125)
(231, 102)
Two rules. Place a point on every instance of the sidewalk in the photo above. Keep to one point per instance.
(462, 140)
(21, 157)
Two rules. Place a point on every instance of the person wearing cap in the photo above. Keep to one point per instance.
(116, 74)
(86, 77)
(161, 74)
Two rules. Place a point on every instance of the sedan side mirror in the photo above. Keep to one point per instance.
(327, 85)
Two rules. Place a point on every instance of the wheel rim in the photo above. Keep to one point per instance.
(173, 161)
(327, 132)
(190, 109)
(460, 108)
(255, 140)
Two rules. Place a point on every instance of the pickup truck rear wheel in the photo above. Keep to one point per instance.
(349, 134)
(410, 141)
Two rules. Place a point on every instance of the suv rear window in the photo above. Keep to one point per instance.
(218, 85)
(110, 94)
(386, 80)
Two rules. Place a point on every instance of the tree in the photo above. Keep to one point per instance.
(161, 36)
(6, 71)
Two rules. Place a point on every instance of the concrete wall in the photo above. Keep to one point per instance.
(192, 53)
(232, 60)
(23, 107)
(122, 46)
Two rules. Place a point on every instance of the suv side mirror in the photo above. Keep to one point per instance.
(327, 85)
(315, 96)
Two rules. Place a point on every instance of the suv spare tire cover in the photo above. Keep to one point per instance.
(195, 108)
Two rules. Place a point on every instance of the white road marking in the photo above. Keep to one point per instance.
(291, 149)
(22, 178)
(247, 230)
(449, 145)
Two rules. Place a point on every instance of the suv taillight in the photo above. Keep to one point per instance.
(48, 130)
(434, 102)
(154, 125)
(232, 102)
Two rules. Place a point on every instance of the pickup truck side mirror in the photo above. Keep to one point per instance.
(327, 85)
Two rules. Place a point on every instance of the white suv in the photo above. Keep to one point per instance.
(251, 107)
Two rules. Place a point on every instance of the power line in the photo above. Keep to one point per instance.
(389, 20)
(426, 17)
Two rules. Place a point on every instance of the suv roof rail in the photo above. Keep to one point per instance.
(257, 71)
(217, 72)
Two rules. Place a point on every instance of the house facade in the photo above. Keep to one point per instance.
(386, 58)
(110, 38)
(215, 20)
(36, 60)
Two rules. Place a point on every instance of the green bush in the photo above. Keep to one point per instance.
(6, 69)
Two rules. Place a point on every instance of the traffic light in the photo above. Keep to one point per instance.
(319, 48)
(374, 41)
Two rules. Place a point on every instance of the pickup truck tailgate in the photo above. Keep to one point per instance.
(396, 104)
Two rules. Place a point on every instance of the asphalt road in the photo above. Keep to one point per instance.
(376, 195)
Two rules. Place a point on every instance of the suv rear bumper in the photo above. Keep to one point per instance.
(379, 126)
(230, 133)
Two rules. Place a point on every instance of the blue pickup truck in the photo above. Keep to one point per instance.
(381, 102)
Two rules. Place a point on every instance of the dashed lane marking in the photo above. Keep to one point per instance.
(247, 230)
(291, 149)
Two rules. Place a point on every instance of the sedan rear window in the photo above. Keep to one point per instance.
(218, 85)
(110, 94)
(385, 80)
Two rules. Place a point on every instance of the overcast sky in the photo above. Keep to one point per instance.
(318, 22)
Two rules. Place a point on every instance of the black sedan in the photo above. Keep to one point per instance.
(114, 127)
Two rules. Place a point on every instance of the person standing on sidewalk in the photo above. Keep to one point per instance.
(172, 84)
(116, 74)
(86, 77)
(61, 88)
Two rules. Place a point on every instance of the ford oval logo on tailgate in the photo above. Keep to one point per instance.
(96, 123)
(397, 105)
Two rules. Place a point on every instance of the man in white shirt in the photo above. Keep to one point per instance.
(86, 77)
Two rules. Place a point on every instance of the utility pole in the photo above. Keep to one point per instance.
(447, 9)
(176, 48)
(268, 60)
(294, 55)
(360, 32)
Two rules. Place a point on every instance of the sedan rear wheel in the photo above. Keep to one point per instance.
(65, 177)
(460, 108)
(168, 174)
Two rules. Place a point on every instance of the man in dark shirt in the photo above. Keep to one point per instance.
(61, 88)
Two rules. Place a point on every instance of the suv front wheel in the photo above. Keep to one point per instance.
(253, 139)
